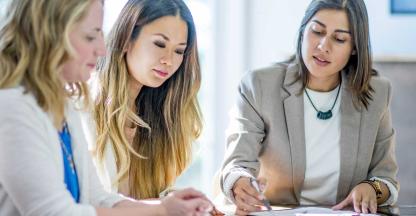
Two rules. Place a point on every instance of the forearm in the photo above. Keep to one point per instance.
(132, 208)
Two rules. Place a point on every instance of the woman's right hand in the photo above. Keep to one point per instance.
(187, 202)
(247, 198)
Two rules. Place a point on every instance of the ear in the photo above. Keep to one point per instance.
(128, 47)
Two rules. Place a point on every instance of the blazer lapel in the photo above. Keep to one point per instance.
(349, 140)
(293, 106)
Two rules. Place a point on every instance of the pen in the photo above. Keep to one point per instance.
(265, 201)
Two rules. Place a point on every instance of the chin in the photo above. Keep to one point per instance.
(86, 76)
(157, 85)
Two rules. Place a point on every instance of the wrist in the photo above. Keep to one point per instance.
(375, 184)
(229, 183)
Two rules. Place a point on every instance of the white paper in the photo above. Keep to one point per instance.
(309, 211)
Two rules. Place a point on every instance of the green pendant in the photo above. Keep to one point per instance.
(324, 115)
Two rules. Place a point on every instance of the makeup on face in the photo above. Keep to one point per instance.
(158, 51)
(326, 47)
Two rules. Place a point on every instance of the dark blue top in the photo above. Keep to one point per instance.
(71, 178)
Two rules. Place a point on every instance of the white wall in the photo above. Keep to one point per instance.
(112, 9)
(273, 25)
(392, 36)
(3, 6)
(229, 58)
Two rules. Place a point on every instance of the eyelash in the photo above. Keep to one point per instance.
(90, 38)
(180, 52)
(316, 32)
(336, 39)
(161, 45)
(339, 40)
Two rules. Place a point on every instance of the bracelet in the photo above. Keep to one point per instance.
(376, 186)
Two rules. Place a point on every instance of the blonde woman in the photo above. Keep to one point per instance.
(45, 167)
(146, 113)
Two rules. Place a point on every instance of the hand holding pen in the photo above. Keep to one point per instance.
(247, 198)
(265, 201)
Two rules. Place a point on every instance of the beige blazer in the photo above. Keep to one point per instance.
(266, 135)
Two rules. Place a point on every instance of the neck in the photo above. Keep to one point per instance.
(324, 84)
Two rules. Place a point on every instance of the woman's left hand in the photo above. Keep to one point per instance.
(363, 197)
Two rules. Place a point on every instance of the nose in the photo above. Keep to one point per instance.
(100, 47)
(324, 45)
(167, 58)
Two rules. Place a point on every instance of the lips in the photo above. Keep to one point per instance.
(161, 73)
(321, 61)
(91, 66)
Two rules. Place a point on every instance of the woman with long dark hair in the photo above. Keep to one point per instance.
(146, 110)
(317, 128)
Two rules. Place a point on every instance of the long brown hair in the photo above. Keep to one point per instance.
(34, 43)
(169, 116)
(359, 67)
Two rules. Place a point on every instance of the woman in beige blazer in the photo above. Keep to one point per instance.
(317, 128)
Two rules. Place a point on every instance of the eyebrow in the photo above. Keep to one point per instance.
(94, 30)
(337, 30)
(167, 38)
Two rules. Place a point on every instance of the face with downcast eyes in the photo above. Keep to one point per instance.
(158, 51)
(87, 41)
(327, 44)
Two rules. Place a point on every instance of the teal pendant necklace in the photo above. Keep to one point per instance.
(324, 115)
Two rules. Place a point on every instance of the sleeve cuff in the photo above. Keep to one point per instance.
(229, 181)
(393, 192)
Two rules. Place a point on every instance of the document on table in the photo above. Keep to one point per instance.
(308, 211)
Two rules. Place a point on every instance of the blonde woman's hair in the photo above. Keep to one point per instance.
(34, 43)
(168, 117)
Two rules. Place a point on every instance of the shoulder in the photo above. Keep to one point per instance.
(379, 82)
(16, 102)
(266, 77)
(272, 72)
(23, 118)
(382, 90)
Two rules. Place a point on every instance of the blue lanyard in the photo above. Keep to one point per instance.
(70, 173)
